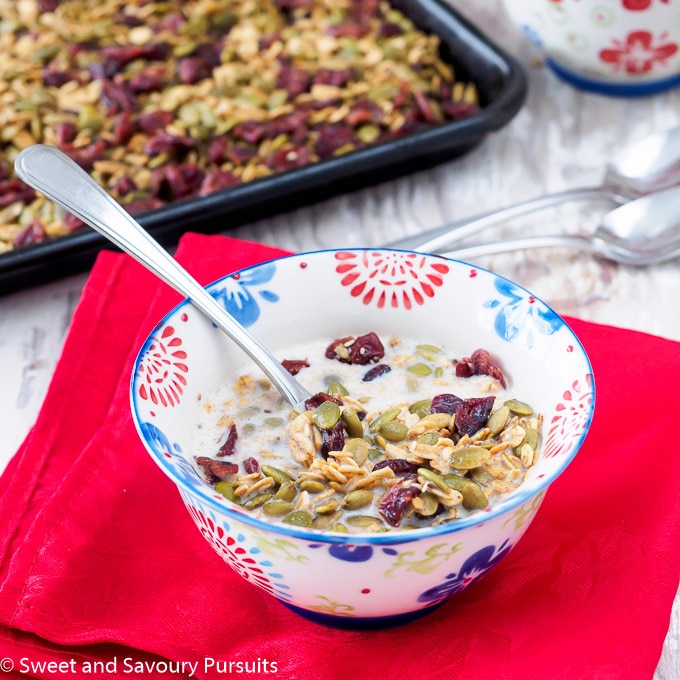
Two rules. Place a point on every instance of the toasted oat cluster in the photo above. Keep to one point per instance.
(162, 101)
(356, 459)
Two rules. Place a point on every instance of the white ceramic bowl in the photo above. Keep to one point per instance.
(615, 47)
(362, 580)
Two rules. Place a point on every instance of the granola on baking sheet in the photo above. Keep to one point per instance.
(162, 101)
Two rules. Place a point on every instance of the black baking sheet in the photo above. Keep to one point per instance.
(501, 84)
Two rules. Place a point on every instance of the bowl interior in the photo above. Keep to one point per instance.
(325, 295)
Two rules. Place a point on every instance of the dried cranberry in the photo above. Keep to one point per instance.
(146, 82)
(124, 127)
(191, 70)
(144, 204)
(393, 505)
(73, 223)
(335, 77)
(330, 352)
(398, 465)
(117, 96)
(427, 113)
(251, 465)
(12, 190)
(229, 446)
(293, 79)
(124, 185)
(52, 77)
(216, 179)
(331, 137)
(172, 182)
(319, 398)
(479, 363)
(445, 403)
(294, 366)
(389, 30)
(288, 158)
(48, 5)
(31, 233)
(250, 130)
(366, 349)
(473, 414)
(332, 439)
(364, 111)
(348, 29)
(164, 142)
(376, 372)
(459, 110)
(151, 121)
(85, 156)
(216, 470)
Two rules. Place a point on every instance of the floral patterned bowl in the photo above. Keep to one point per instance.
(379, 579)
(615, 47)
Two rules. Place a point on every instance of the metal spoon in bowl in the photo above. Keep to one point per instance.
(643, 232)
(52, 172)
(646, 166)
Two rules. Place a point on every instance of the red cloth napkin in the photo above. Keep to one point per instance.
(101, 564)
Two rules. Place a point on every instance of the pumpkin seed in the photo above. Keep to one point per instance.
(257, 501)
(273, 422)
(420, 369)
(364, 521)
(421, 408)
(473, 497)
(277, 508)
(455, 481)
(338, 528)
(298, 518)
(519, 407)
(439, 420)
(428, 352)
(498, 419)
(279, 476)
(531, 438)
(325, 508)
(326, 415)
(434, 478)
(429, 438)
(425, 504)
(359, 498)
(394, 431)
(469, 457)
(481, 476)
(358, 448)
(337, 387)
(312, 486)
(386, 417)
(325, 521)
(227, 490)
(352, 422)
(286, 492)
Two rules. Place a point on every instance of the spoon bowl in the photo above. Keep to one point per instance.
(644, 167)
(643, 232)
(52, 172)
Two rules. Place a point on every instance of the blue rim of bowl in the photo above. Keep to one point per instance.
(613, 89)
(512, 501)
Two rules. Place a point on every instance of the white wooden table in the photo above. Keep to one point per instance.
(560, 139)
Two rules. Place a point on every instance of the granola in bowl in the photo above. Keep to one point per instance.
(383, 444)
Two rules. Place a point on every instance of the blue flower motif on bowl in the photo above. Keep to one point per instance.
(238, 293)
(520, 315)
(472, 570)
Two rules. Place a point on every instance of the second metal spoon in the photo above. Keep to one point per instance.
(50, 171)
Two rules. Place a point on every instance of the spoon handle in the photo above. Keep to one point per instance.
(589, 244)
(436, 239)
(50, 171)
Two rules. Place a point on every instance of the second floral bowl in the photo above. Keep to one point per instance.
(363, 579)
(615, 47)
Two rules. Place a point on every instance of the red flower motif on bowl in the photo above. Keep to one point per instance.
(639, 5)
(570, 422)
(234, 555)
(163, 368)
(639, 53)
(390, 279)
